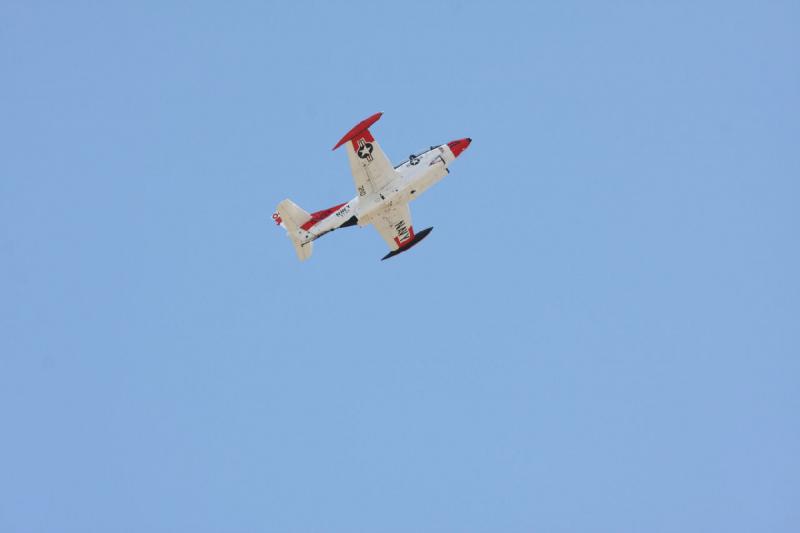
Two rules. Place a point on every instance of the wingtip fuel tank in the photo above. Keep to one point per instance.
(417, 238)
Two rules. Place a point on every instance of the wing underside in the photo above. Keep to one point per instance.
(371, 169)
(395, 226)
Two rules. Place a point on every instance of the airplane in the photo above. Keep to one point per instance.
(384, 192)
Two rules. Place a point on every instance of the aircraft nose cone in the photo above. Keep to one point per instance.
(459, 146)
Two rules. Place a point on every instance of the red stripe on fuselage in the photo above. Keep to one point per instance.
(319, 215)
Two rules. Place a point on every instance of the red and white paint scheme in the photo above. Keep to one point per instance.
(383, 192)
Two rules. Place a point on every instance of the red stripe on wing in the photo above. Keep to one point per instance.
(407, 240)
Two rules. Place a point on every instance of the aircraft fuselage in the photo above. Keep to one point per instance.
(415, 176)
(383, 192)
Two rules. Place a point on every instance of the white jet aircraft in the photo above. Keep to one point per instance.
(383, 193)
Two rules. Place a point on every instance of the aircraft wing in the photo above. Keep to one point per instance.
(394, 225)
(371, 169)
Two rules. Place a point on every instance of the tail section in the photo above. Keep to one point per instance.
(293, 217)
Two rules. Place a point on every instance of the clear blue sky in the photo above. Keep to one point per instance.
(601, 334)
